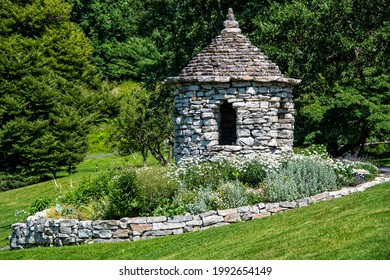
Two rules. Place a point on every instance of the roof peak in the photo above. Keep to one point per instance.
(230, 24)
(230, 57)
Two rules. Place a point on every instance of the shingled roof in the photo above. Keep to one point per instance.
(230, 57)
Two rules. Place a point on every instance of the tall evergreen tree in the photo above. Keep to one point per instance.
(119, 52)
(49, 90)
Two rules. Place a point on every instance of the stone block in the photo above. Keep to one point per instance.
(276, 210)
(162, 232)
(226, 212)
(243, 209)
(213, 219)
(111, 224)
(65, 230)
(246, 141)
(243, 132)
(261, 206)
(210, 136)
(158, 219)
(85, 224)
(84, 233)
(164, 226)
(207, 115)
(273, 143)
(251, 90)
(320, 196)
(270, 206)
(252, 105)
(254, 209)
(103, 234)
(180, 219)
(68, 223)
(232, 148)
(232, 218)
(210, 122)
(208, 213)
(335, 193)
(140, 227)
(121, 233)
(194, 223)
(247, 216)
(288, 204)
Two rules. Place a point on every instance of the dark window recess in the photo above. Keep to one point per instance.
(227, 128)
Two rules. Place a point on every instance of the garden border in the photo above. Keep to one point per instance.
(41, 232)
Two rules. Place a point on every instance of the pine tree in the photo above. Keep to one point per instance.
(49, 92)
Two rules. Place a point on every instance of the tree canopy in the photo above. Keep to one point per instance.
(49, 90)
(340, 50)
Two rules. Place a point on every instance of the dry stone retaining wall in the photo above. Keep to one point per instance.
(39, 231)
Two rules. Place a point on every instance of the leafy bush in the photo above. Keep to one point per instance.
(90, 189)
(41, 204)
(154, 187)
(122, 191)
(10, 181)
(299, 178)
(168, 207)
(252, 174)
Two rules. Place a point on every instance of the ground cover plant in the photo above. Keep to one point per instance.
(351, 227)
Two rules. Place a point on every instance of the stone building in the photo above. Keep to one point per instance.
(231, 100)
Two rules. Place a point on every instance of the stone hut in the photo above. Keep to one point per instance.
(231, 100)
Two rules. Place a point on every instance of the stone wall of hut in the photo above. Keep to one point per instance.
(224, 119)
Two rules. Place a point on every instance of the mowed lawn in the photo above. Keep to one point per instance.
(352, 227)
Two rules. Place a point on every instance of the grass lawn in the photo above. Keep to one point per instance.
(384, 162)
(21, 199)
(352, 227)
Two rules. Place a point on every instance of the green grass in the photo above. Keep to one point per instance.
(21, 199)
(352, 227)
(384, 162)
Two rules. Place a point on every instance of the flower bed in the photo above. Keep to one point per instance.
(40, 231)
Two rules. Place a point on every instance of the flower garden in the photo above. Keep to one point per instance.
(194, 187)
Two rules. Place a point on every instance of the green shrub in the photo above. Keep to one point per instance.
(155, 186)
(41, 204)
(168, 207)
(90, 189)
(253, 173)
(301, 177)
(121, 197)
(10, 181)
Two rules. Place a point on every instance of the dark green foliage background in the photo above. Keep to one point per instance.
(50, 92)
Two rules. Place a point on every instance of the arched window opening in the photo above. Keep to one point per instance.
(227, 127)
